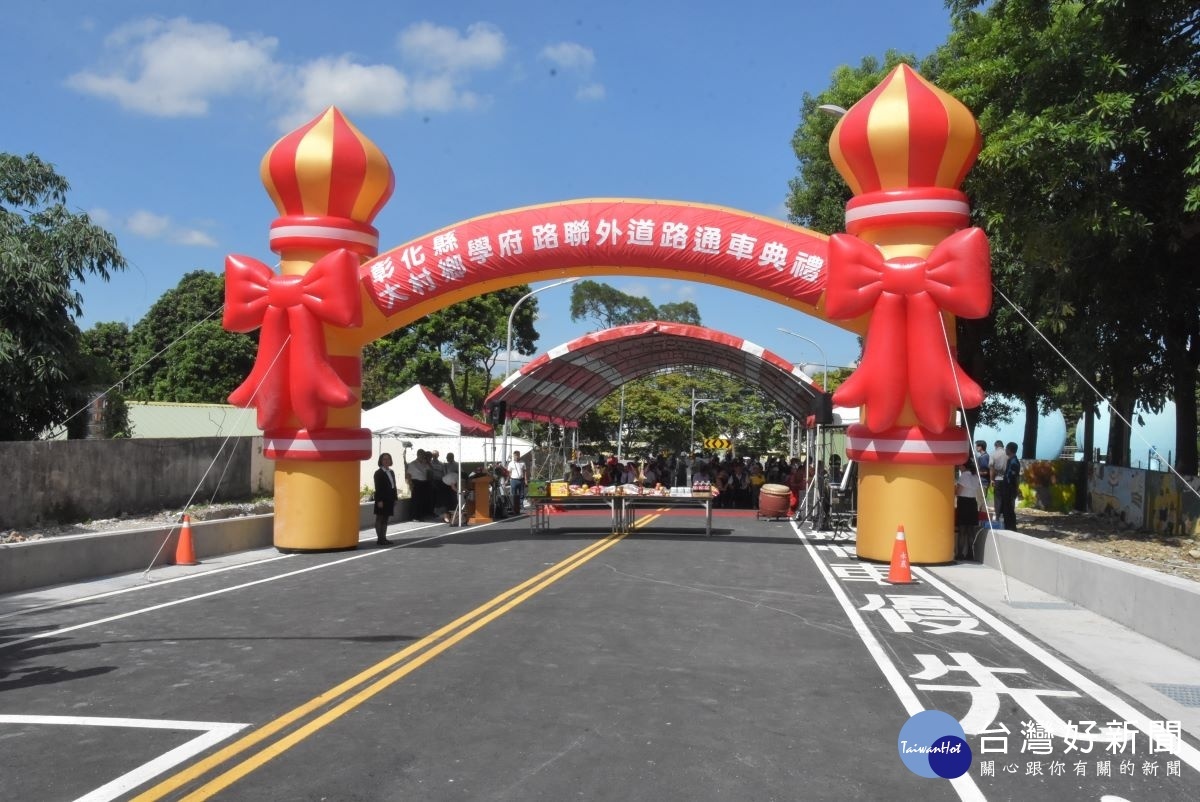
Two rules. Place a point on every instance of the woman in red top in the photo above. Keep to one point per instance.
(797, 482)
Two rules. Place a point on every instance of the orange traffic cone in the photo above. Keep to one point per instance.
(184, 553)
(900, 572)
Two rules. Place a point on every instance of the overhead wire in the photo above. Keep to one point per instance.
(974, 457)
(1183, 480)
(1092, 387)
(224, 443)
(55, 434)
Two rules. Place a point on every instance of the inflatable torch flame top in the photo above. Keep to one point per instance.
(904, 149)
(905, 133)
(328, 182)
(909, 145)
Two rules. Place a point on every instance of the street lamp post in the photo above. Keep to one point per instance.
(508, 342)
(824, 376)
(695, 403)
(825, 371)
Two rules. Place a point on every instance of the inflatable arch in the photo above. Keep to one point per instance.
(561, 385)
(906, 266)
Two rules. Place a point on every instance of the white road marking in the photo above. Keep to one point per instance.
(1182, 750)
(157, 583)
(965, 785)
(152, 583)
(212, 732)
(197, 597)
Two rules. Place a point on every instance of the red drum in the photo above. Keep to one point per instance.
(773, 501)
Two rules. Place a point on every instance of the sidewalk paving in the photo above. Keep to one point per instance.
(1133, 663)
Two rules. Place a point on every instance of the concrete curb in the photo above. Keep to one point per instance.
(73, 558)
(1161, 607)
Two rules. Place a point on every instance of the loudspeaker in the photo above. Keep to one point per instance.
(497, 412)
(823, 408)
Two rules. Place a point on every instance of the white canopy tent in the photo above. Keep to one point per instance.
(420, 418)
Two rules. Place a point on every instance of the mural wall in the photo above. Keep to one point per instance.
(1119, 492)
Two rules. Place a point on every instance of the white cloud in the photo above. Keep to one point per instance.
(576, 59)
(684, 290)
(174, 68)
(193, 238)
(570, 56)
(435, 48)
(377, 89)
(149, 225)
(593, 91)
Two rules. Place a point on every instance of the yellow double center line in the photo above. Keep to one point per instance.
(408, 659)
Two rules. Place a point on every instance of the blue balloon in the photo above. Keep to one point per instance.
(1051, 437)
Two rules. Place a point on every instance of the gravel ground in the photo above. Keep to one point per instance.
(1085, 531)
(207, 512)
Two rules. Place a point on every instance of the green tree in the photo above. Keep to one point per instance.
(45, 251)
(1089, 181)
(104, 349)
(108, 345)
(608, 307)
(454, 351)
(657, 415)
(182, 352)
(681, 312)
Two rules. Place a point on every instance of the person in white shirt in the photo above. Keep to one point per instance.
(437, 470)
(417, 473)
(516, 481)
(968, 496)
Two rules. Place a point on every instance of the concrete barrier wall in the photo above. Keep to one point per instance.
(63, 481)
(1152, 603)
(73, 558)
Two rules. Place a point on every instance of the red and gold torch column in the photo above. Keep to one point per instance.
(909, 262)
(328, 182)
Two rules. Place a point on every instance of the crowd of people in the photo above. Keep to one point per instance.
(433, 486)
(735, 482)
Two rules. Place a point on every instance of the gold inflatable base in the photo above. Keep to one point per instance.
(316, 505)
(919, 498)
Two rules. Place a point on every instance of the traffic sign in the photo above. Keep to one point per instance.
(717, 443)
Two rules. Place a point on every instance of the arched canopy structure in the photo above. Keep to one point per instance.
(561, 385)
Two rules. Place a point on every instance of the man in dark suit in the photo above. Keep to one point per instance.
(385, 498)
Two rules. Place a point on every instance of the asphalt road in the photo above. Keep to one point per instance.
(493, 664)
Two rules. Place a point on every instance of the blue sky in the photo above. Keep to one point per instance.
(158, 114)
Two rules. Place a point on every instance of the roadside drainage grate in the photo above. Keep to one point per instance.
(1186, 695)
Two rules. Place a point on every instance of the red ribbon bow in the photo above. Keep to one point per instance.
(905, 354)
(292, 373)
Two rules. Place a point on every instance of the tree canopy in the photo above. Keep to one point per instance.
(46, 251)
(182, 352)
(454, 351)
(1088, 186)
